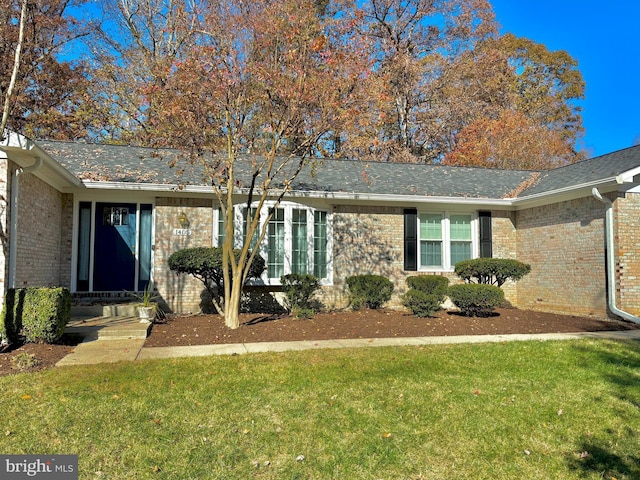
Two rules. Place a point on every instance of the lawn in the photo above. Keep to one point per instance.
(522, 410)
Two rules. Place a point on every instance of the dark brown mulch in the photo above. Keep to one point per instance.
(210, 329)
(43, 355)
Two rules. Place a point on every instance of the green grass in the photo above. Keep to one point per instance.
(525, 410)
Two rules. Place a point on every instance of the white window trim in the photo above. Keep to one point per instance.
(288, 207)
(446, 238)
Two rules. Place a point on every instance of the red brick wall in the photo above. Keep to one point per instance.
(369, 240)
(182, 293)
(39, 259)
(505, 245)
(627, 236)
(564, 243)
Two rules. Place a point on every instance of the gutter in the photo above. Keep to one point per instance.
(611, 276)
(13, 229)
(317, 195)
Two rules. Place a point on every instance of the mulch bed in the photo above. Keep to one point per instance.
(40, 355)
(210, 329)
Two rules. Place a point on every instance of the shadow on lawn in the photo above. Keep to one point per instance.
(598, 457)
(605, 463)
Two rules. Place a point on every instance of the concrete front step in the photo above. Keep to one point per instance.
(109, 328)
(105, 310)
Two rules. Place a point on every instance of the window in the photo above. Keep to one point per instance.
(430, 240)
(320, 243)
(445, 239)
(461, 244)
(276, 250)
(115, 216)
(297, 240)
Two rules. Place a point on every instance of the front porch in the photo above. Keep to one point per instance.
(111, 333)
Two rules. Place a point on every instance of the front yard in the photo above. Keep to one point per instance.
(566, 409)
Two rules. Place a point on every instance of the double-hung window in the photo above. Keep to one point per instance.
(445, 239)
(297, 240)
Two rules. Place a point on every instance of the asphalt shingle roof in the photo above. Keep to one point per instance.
(146, 165)
(594, 169)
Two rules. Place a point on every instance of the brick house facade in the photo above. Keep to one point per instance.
(56, 210)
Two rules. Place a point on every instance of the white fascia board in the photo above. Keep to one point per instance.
(567, 193)
(562, 194)
(331, 196)
(25, 150)
(627, 177)
(403, 199)
(148, 187)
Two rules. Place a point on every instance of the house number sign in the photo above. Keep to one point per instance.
(182, 232)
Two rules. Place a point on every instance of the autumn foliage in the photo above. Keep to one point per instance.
(511, 141)
(404, 81)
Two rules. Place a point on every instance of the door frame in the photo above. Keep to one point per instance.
(93, 201)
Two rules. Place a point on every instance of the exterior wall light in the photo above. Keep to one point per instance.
(184, 220)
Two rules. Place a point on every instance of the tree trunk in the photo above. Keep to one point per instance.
(232, 308)
(14, 74)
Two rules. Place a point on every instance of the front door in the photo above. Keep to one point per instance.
(115, 247)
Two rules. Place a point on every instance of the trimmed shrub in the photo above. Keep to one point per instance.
(371, 291)
(476, 299)
(425, 295)
(420, 303)
(40, 315)
(434, 284)
(205, 264)
(491, 271)
(298, 290)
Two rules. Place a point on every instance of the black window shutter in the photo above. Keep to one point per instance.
(411, 239)
(485, 235)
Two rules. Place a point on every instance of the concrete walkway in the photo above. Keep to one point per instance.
(106, 339)
(122, 339)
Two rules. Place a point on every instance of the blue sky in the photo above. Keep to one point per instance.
(604, 37)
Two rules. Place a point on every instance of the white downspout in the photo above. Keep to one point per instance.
(13, 229)
(611, 259)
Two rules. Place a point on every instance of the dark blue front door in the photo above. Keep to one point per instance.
(115, 247)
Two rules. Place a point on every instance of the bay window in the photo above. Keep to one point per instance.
(297, 240)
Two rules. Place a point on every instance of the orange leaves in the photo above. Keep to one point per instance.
(511, 141)
(319, 43)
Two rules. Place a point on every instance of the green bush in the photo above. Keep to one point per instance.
(205, 264)
(425, 295)
(298, 290)
(370, 291)
(434, 284)
(476, 299)
(40, 315)
(491, 271)
(420, 303)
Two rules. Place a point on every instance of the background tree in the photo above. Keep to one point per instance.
(133, 49)
(255, 102)
(511, 141)
(42, 94)
(512, 104)
(413, 41)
